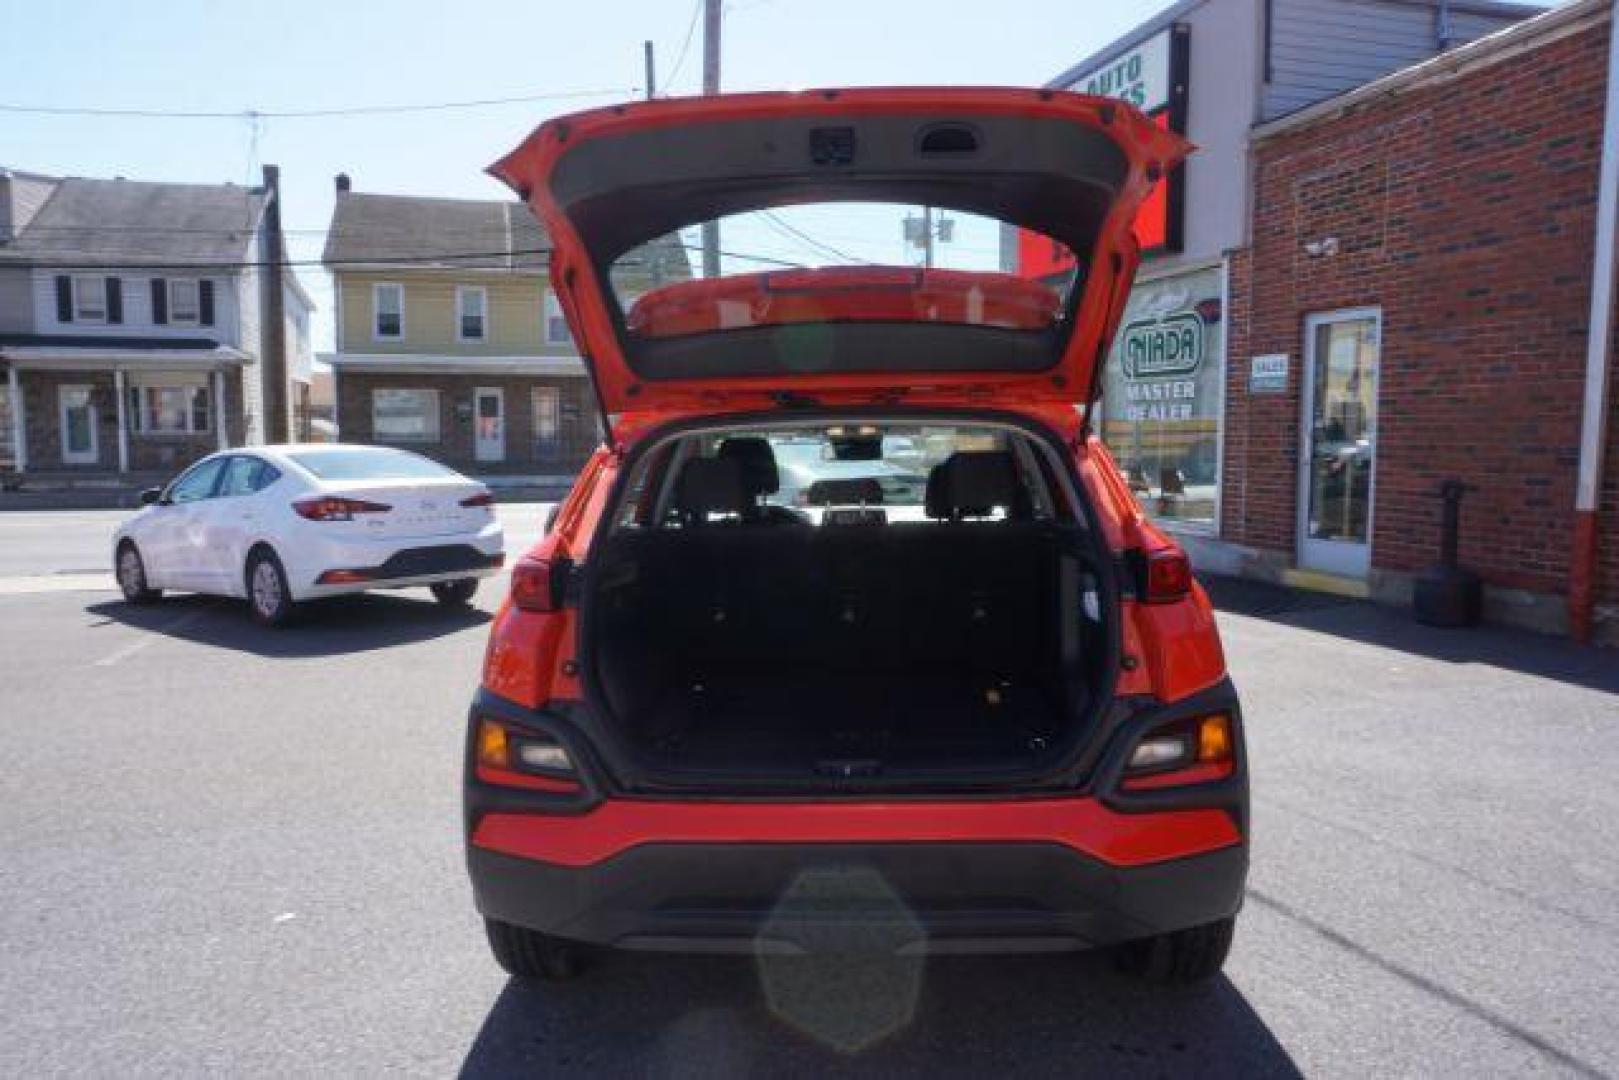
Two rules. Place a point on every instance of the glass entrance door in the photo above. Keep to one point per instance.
(78, 425)
(490, 407)
(1339, 453)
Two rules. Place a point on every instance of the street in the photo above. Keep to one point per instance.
(233, 850)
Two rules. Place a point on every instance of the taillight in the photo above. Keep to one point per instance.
(335, 508)
(1167, 576)
(518, 759)
(483, 498)
(533, 587)
(1192, 751)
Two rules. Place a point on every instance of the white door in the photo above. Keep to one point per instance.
(78, 425)
(489, 407)
(172, 538)
(1338, 455)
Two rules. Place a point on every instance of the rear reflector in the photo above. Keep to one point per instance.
(533, 588)
(1168, 576)
(343, 577)
(334, 508)
(483, 498)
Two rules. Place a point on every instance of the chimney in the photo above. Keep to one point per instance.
(342, 182)
(273, 367)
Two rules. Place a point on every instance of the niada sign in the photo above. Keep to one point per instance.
(1140, 76)
(1162, 348)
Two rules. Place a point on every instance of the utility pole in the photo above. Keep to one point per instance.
(651, 71)
(927, 237)
(711, 85)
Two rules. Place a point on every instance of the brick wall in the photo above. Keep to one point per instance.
(42, 417)
(1465, 211)
(456, 430)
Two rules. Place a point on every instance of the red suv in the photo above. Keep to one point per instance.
(852, 625)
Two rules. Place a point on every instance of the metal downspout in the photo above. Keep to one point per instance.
(1598, 354)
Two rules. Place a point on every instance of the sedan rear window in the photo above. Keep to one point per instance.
(366, 463)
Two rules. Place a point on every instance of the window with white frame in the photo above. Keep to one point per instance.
(89, 298)
(556, 323)
(388, 304)
(404, 414)
(177, 409)
(185, 302)
(471, 312)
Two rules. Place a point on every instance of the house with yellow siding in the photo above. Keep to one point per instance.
(449, 341)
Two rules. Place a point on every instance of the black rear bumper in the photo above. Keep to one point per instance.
(901, 897)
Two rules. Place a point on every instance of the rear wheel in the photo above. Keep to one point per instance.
(268, 596)
(456, 594)
(529, 954)
(1184, 956)
(131, 571)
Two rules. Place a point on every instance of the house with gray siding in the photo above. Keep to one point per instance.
(132, 333)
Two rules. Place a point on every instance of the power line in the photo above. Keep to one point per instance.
(425, 261)
(308, 114)
(685, 47)
(772, 218)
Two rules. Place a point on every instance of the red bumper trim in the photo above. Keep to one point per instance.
(1084, 825)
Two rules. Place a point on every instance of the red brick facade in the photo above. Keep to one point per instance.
(525, 454)
(1464, 209)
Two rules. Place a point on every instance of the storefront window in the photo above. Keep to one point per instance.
(1161, 396)
(404, 415)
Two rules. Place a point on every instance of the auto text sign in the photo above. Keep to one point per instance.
(1267, 374)
(1139, 76)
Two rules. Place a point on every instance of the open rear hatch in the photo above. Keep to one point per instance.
(623, 190)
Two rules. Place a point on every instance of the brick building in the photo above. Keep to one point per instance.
(1413, 306)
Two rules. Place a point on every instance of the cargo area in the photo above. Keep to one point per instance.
(770, 613)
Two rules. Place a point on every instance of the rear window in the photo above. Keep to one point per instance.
(365, 463)
(838, 474)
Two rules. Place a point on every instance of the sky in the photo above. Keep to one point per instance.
(288, 55)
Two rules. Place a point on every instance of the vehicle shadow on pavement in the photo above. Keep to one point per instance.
(340, 625)
(1524, 651)
(1066, 1014)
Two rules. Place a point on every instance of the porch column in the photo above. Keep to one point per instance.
(221, 421)
(19, 421)
(123, 420)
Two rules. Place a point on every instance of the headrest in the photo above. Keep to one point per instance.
(758, 460)
(973, 483)
(711, 486)
(861, 492)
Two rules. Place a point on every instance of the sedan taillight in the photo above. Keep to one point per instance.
(335, 508)
(483, 498)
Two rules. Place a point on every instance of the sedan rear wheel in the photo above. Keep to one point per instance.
(131, 572)
(268, 596)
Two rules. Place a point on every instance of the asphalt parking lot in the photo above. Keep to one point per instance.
(232, 850)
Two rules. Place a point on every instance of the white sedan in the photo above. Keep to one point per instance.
(282, 524)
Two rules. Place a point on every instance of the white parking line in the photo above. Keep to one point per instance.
(124, 652)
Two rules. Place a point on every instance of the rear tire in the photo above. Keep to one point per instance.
(1181, 957)
(130, 571)
(456, 594)
(529, 954)
(268, 596)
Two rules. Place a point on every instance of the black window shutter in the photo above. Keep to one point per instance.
(115, 300)
(64, 298)
(160, 301)
(205, 294)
